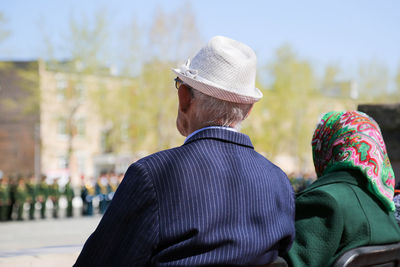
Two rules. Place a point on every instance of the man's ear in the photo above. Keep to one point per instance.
(185, 98)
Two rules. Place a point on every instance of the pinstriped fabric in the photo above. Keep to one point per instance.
(212, 201)
(130, 227)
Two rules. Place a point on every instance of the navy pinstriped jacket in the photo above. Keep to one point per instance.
(213, 201)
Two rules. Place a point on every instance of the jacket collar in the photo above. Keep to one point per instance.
(353, 177)
(222, 135)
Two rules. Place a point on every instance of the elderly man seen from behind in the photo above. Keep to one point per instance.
(212, 201)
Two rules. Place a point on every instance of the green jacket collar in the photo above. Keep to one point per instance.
(353, 177)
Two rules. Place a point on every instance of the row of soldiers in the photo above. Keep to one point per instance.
(16, 191)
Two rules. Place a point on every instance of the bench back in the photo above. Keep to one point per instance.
(382, 256)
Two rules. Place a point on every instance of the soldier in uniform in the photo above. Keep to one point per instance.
(4, 198)
(11, 190)
(31, 198)
(87, 195)
(112, 186)
(20, 198)
(102, 192)
(54, 193)
(42, 195)
(69, 195)
(84, 194)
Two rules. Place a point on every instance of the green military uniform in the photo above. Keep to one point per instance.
(31, 191)
(69, 195)
(20, 198)
(42, 195)
(11, 189)
(54, 192)
(335, 214)
(4, 199)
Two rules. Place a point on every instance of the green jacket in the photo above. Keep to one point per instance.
(20, 194)
(43, 190)
(335, 214)
(31, 191)
(69, 192)
(54, 191)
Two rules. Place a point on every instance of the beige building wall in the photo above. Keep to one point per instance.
(55, 108)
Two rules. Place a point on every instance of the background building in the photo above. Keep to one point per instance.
(51, 124)
(65, 119)
(19, 118)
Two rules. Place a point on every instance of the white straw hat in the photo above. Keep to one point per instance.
(224, 69)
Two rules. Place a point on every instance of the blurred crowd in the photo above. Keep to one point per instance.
(26, 198)
(301, 181)
(98, 193)
(29, 198)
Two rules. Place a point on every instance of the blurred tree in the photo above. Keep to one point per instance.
(86, 44)
(143, 111)
(131, 53)
(282, 123)
(331, 74)
(279, 124)
(171, 37)
(175, 36)
(373, 82)
(158, 105)
(25, 74)
(329, 85)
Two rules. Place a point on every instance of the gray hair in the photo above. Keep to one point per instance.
(215, 112)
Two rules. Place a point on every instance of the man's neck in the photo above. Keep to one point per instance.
(209, 127)
(197, 127)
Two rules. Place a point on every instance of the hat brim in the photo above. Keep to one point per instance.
(211, 89)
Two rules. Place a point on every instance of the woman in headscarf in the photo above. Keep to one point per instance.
(351, 203)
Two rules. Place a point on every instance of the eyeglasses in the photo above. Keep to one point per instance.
(178, 82)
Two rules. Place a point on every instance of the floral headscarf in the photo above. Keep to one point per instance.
(353, 140)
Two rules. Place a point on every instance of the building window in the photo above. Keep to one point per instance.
(61, 86)
(62, 127)
(62, 162)
(80, 90)
(81, 160)
(81, 126)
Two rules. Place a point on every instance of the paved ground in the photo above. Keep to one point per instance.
(44, 242)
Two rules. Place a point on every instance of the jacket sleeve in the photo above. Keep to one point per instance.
(319, 225)
(128, 232)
